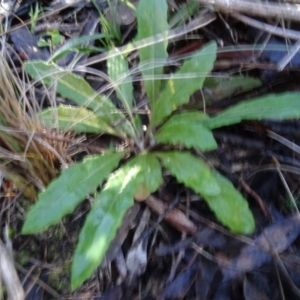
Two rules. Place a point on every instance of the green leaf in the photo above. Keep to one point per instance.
(179, 90)
(184, 13)
(223, 199)
(108, 211)
(152, 19)
(186, 129)
(139, 127)
(118, 72)
(55, 36)
(230, 207)
(75, 44)
(77, 89)
(151, 171)
(68, 190)
(272, 106)
(78, 119)
(190, 171)
(151, 176)
(223, 87)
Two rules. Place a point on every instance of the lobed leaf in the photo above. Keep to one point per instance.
(224, 200)
(190, 171)
(186, 129)
(230, 207)
(108, 210)
(118, 72)
(272, 106)
(179, 90)
(65, 192)
(152, 20)
(78, 119)
(77, 89)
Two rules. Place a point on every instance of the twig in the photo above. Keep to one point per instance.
(40, 282)
(286, 185)
(9, 275)
(258, 199)
(284, 141)
(258, 8)
(287, 58)
(175, 216)
(287, 33)
(58, 26)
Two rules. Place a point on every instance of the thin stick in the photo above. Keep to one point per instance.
(9, 275)
(40, 282)
(258, 199)
(287, 58)
(284, 141)
(258, 8)
(277, 164)
(287, 33)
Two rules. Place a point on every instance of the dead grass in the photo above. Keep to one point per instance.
(30, 154)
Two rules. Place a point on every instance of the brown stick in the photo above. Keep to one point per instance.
(175, 217)
(258, 8)
(9, 275)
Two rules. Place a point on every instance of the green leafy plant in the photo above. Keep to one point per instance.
(110, 29)
(135, 171)
(54, 39)
(34, 14)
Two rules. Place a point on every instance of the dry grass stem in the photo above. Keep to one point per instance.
(27, 160)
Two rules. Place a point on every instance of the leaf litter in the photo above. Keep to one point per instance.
(226, 265)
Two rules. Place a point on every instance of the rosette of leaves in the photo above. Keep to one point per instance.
(136, 172)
